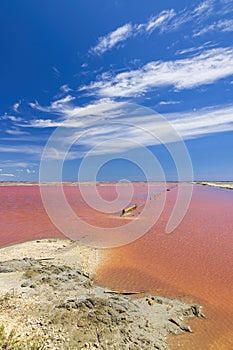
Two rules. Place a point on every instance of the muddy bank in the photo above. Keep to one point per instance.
(47, 292)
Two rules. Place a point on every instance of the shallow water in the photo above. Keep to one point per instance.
(194, 262)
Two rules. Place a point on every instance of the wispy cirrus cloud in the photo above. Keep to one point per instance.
(159, 21)
(93, 124)
(221, 26)
(169, 21)
(203, 122)
(65, 88)
(14, 164)
(12, 118)
(43, 123)
(55, 106)
(164, 103)
(196, 17)
(112, 39)
(196, 49)
(16, 131)
(13, 129)
(205, 7)
(33, 149)
(128, 30)
(205, 68)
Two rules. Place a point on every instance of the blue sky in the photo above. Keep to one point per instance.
(78, 64)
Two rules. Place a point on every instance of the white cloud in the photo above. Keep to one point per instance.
(169, 21)
(34, 150)
(7, 175)
(128, 30)
(55, 106)
(191, 16)
(206, 29)
(221, 25)
(226, 25)
(11, 118)
(1, 170)
(112, 39)
(169, 102)
(159, 21)
(62, 101)
(12, 164)
(16, 106)
(204, 8)
(16, 131)
(196, 49)
(188, 73)
(86, 127)
(203, 122)
(30, 171)
(226, 7)
(65, 88)
(43, 123)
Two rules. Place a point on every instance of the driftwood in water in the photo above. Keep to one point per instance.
(128, 210)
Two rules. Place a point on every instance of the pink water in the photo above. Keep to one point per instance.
(194, 262)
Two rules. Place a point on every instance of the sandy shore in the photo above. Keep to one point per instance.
(220, 184)
(48, 297)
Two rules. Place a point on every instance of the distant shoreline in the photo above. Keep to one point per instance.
(219, 184)
(36, 183)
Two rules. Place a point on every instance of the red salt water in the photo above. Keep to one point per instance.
(23, 216)
(194, 262)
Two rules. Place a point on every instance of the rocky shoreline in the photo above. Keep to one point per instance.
(48, 297)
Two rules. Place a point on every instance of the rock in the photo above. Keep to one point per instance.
(6, 269)
(185, 328)
(90, 303)
(197, 311)
(25, 284)
(180, 324)
(159, 301)
(68, 310)
(85, 274)
(151, 301)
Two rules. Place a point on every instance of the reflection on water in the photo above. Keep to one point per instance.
(194, 262)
